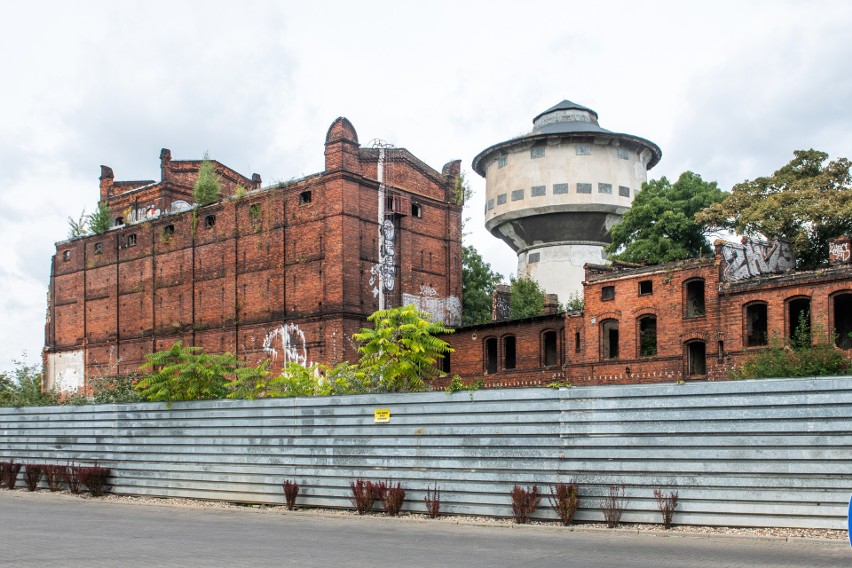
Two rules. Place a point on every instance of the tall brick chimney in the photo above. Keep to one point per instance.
(551, 304)
(107, 178)
(165, 163)
(341, 146)
(501, 302)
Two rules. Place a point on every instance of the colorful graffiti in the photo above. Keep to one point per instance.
(754, 258)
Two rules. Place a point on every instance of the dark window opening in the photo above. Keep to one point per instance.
(646, 287)
(254, 211)
(696, 362)
(509, 352)
(99, 248)
(119, 221)
(551, 350)
(843, 321)
(389, 203)
(720, 356)
(168, 230)
(66, 255)
(209, 221)
(695, 298)
(756, 325)
(647, 336)
(608, 293)
(131, 240)
(799, 322)
(609, 339)
(444, 364)
(491, 355)
(537, 152)
(577, 344)
(306, 196)
(416, 210)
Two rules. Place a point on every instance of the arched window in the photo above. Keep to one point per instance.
(509, 352)
(694, 298)
(647, 326)
(550, 349)
(799, 321)
(491, 355)
(842, 312)
(696, 362)
(609, 339)
(756, 324)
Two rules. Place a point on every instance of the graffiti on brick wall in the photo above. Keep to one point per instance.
(501, 306)
(383, 274)
(839, 252)
(754, 258)
(288, 344)
(442, 310)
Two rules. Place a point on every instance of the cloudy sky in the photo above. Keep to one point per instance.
(726, 89)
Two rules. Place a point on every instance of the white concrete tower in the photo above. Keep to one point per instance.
(553, 194)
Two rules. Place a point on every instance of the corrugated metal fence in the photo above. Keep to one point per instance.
(752, 453)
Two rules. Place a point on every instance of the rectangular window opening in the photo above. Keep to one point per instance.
(608, 293)
(517, 195)
(605, 188)
(584, 149)
(538, 190)
(646, 287)
(502, 161)
(501, 199)
(537, 152)
(623, 191)
(209, 221)
(560, 188)
(306, 196)
(584, 188)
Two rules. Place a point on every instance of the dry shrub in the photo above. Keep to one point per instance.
(10, 474)
(94, 478)
(524, 503)
(364, 494)
(32, 475)
(565, 498)
(667, 505)
(392, 498)
(53, 475)
(612, 505)
(433, 502)
(291, 491)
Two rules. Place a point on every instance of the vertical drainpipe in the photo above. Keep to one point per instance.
(192, 276)
(380, 276)
(236, 284)
(153, 293)
(117, 304)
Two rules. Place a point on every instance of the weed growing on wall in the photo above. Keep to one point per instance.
(524, 503)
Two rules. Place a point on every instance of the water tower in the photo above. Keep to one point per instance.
(553, 194)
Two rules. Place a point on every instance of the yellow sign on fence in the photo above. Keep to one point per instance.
(381, 415)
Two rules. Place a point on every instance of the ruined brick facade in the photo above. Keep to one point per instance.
(285, 272)
(689, 320)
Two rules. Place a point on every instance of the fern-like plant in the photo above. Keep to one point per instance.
(185, 373)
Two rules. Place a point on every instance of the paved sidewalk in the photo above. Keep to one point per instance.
(48, 530)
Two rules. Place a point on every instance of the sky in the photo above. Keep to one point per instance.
(727, 89)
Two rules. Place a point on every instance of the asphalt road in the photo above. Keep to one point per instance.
(46, 530)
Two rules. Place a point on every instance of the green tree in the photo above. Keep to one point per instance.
(23, 388)
(660, 225)
(207, 187)
(527, 298)
(478, 284)
(186, 373)
(401, 351)
(807, 202)
(461, 190)
(101, 220)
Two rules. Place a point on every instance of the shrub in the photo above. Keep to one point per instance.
(32, 475)
(392, 498)
(10, 473)
(612, 505)
(565, 498)
(363, 495)
(53, 475)
(433, 502)
(291, 491)
(667, 505)
(524, 503)
(3, 466)
(94, 478)
(208, 185)
(71, 478)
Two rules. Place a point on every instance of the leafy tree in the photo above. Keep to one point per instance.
(401, 350)
(24, 387)
(186, 373)
(807, 202)
(478, 284)
(101, 220)
(527, 298)
(461, 190)
(207, 187)
(660, 225)
(77, 227)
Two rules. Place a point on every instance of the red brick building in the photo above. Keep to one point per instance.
(288, 272)
(689, 320)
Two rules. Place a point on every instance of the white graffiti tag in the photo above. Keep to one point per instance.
(287, 342)
(753, 258)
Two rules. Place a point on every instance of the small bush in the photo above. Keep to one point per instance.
(32, 475)
(565, 498)
(363, 495)
(392, 498)
(667, 505)
(10, 474)
(291, 491)
(433, 502)
(524, 503)
(3, 473)
(94, 478)
(53, 475)
(612, 505)
(71, 478)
